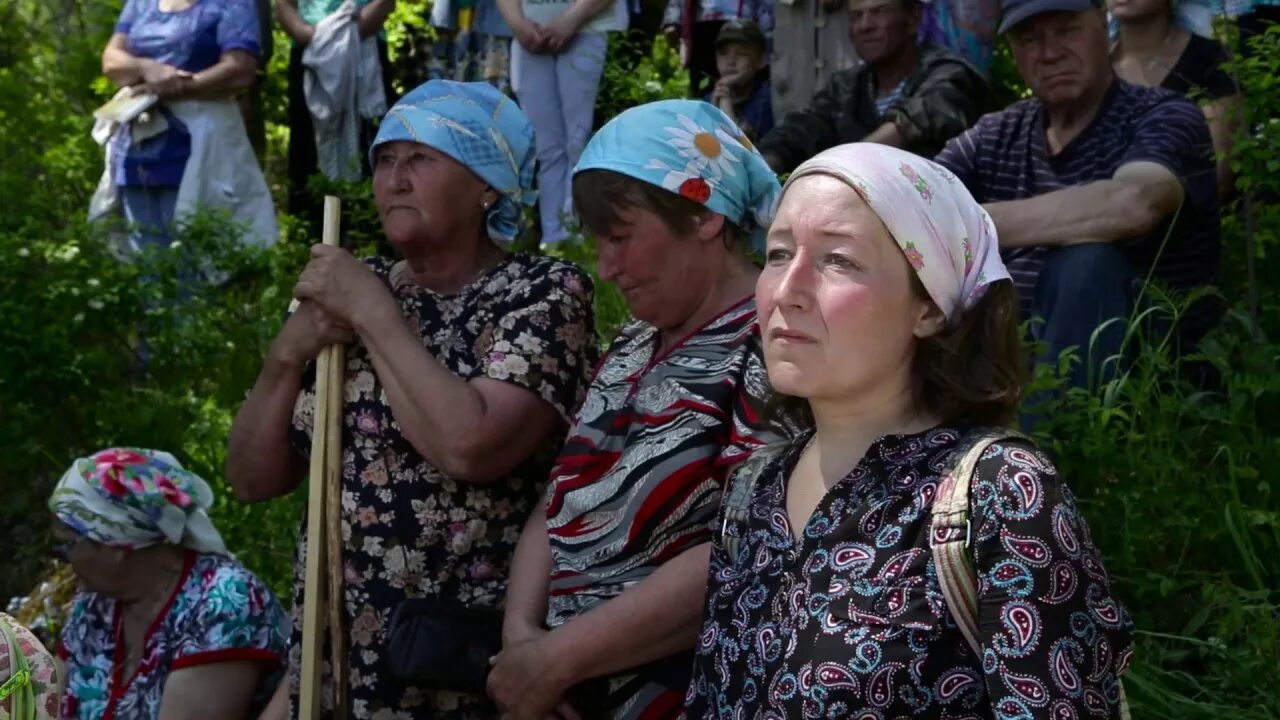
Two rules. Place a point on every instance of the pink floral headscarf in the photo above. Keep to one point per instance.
(947, 237)
(132, 498)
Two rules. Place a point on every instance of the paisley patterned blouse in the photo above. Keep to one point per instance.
(409, 529)
(219, 612)
(850, 621)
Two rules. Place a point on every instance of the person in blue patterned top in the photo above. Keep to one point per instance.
(165, 619)
(195, 56)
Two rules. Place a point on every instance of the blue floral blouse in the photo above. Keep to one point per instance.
(219, 612)
(193, 39)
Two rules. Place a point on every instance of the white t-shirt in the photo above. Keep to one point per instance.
(543, 12)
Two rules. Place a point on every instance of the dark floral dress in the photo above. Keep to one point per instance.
(850, 622)
(408, 529)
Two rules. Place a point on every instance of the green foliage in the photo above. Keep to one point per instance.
(1174, 476)
(1256, 154)
(1177, 478)
(656, 76)
(73, 381)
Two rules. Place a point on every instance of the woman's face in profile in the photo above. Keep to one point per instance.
(424, 195)
(95, 564)
(838, 313)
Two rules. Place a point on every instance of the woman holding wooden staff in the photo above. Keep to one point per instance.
(463, 366)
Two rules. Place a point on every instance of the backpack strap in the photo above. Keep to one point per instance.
(951, 534)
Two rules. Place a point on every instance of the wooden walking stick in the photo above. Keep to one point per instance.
(323, 580)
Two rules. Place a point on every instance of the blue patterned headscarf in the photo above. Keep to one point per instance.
(479, 127)
(690, 148)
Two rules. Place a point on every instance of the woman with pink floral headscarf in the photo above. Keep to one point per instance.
(890, 325)
(165, 622)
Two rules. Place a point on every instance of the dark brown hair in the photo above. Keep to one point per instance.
(599, 195)
(971, 372)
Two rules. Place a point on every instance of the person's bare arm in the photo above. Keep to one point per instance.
(477, 430)
(122, 67)
(584, 11)
(527, 588)
(292, 22)
(526, 32)
(1224, 118)
(218, 691)
(886, 134)
(261, 464)
(234, 72)
(373, 16)
(657, 617)
(512, 12)
(1130, 204)
(278, 708)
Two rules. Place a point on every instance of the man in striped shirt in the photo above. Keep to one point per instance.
(1095, 185)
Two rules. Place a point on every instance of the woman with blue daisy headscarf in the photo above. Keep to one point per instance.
(464, 366)
(609, 576)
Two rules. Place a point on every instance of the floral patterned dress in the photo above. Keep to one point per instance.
(411, 531)
(850, 621)
(219, 612)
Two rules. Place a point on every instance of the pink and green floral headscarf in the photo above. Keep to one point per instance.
(947, 237)
(132, 498)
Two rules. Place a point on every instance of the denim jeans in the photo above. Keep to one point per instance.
(149, 212)
(1080, 288)
(558, 94)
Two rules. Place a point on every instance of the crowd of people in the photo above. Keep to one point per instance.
(787, 487)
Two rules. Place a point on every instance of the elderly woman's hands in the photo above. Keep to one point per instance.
(161, 80)
(347, 290)
(308, 331)
(524, 682)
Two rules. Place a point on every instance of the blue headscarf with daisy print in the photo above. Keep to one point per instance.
(690, 148)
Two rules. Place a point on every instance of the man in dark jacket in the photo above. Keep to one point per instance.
(902, 94)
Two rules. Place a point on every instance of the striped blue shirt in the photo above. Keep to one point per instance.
(1004, 157)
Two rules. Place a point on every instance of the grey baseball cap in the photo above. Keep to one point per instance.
(740, 30)
(1013, 12)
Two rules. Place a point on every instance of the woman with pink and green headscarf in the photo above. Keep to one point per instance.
(890, 331)
(165, 618)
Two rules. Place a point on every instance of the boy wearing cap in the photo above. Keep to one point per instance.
(1094, 185)
(742, 92)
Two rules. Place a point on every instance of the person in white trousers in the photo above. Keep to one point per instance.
(556, 65)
